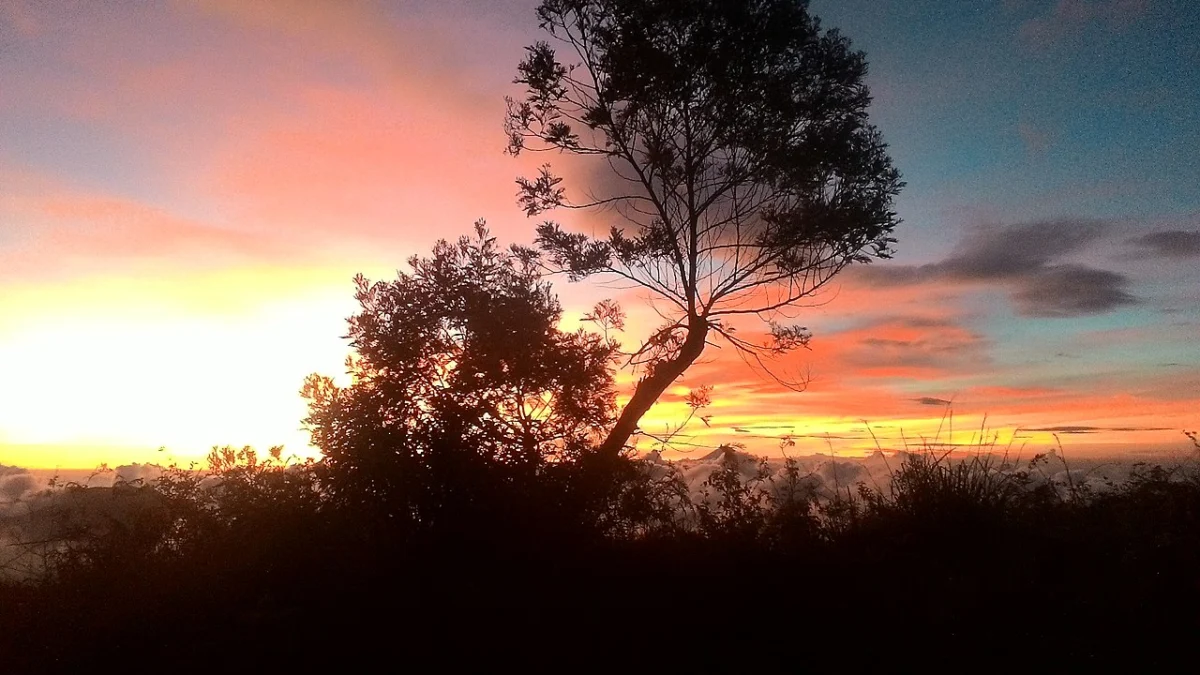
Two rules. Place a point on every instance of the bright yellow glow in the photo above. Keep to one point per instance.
(209, 361)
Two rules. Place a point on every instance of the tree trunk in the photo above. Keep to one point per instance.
(650, 388)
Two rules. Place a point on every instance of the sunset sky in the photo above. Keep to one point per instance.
(187, 189)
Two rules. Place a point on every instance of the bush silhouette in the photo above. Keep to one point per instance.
(466, 399)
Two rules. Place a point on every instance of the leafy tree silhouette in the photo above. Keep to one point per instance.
(462, 386)
(742, 162)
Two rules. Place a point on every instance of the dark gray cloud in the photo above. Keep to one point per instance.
(1002, 252)
(1072, 290)
(930, 400)
(1081, 429)
(1027, 260)
(1170, 244)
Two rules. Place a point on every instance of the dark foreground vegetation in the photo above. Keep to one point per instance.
(956, 563)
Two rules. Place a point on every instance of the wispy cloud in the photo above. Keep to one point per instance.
(1170, 244)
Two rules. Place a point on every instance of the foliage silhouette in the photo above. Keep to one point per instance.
(465, 394)
(742, 164)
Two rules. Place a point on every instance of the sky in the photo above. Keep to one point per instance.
(188, 188)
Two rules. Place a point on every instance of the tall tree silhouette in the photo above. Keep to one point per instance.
(747, 172)
(461, 382)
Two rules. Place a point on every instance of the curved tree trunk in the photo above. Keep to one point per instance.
(651, 387)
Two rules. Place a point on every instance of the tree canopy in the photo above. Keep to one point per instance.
(461, 381)
(746, 171)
